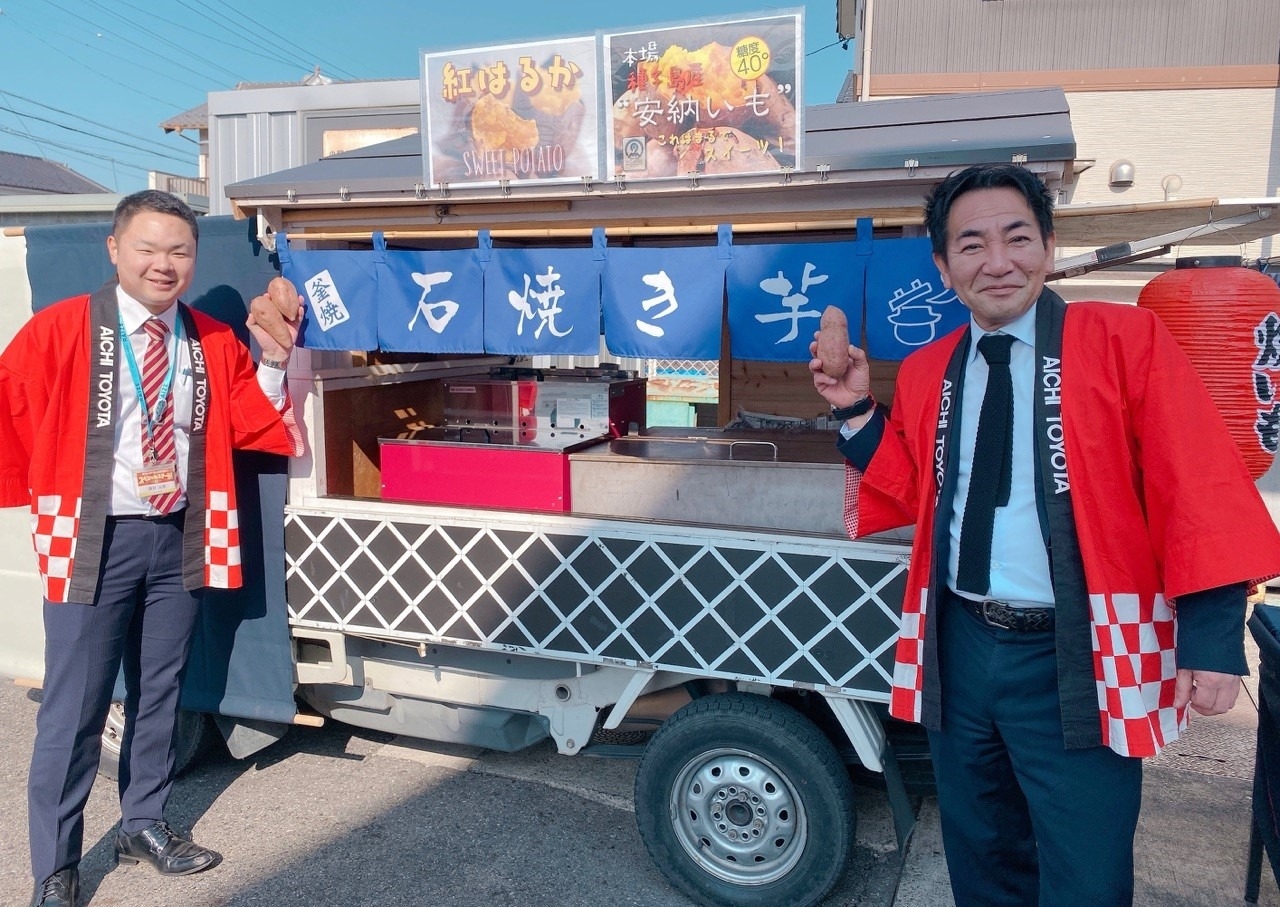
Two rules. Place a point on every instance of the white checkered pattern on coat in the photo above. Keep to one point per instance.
(1136, 672)
(852, 482)
(297, 439)
(222, 568)
(55, 523)
(907, 699)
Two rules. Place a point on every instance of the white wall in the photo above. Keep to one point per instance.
(1222, 143)
(22, 642)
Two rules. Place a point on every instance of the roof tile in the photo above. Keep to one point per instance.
(36, 174)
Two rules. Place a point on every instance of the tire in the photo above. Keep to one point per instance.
(191, 734)
(742, 802)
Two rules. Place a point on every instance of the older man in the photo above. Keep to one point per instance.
(118, 414)
(1086, 533)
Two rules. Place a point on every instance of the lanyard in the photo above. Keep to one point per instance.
(150, 420)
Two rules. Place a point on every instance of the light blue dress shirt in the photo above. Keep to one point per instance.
(1019, 562)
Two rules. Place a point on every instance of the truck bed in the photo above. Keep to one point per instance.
(778, 608)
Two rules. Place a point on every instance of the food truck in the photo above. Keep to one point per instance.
(487, 541)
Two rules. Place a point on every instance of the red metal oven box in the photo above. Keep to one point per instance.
(509, 476)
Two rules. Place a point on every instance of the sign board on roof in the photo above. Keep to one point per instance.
(706, 99)
(700, 99)
(514, 112)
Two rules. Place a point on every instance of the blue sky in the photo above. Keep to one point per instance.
(88, 83)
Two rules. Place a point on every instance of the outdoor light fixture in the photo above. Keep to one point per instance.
(1121, 175)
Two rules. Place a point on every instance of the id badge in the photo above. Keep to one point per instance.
(156, 479)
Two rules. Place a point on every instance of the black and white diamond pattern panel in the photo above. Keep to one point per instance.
(821, 612)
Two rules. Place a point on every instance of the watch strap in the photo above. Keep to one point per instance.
(853, 410)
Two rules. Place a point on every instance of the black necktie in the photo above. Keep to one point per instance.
(992, 468)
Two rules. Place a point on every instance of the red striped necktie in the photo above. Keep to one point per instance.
(160, 446)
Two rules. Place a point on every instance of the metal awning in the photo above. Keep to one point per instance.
(878, 159)
(1126, 233)
(1212, 221)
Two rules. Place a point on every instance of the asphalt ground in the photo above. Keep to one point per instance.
(1191, 848)
(341, 816)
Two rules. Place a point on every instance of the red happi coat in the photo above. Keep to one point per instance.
(46, 374)
(1162, 502)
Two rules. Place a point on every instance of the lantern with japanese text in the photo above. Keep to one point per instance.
(1227, 319)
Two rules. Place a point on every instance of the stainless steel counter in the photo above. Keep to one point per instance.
(744, 479)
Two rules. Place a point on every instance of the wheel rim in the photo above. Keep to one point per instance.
(738, 817)
(113, 731)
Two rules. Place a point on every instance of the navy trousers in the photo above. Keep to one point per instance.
(1025, 821)
(142, 619)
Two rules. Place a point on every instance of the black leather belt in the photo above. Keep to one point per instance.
(151, 517)
(996, 613)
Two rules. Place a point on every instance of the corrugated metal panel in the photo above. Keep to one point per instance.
(248, 145)
(940, 130)
(224, 145)
(974, 27)
(243, 146)
(955, 130)
(284, 145)
(937, 36)
(252, 132)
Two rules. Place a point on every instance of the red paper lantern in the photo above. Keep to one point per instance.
(1227, 319)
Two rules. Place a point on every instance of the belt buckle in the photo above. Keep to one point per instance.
(988, 605)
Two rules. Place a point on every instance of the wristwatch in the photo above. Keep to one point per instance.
(853, 410)
(281, 364)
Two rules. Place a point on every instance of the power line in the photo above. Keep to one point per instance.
(58, 50)
(97, 73)
(184, 49)
(82, 152)
(101, 138)
(253, 38)
(253, 51)
(142, 138)
(34, 139)
(841, 41)
(332, 68)
(149, 52)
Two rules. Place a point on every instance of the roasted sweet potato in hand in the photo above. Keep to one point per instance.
(271, 310)
(833, 342)
(285, 296)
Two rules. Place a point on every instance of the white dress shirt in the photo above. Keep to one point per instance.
(128, 441)
(1019, 561)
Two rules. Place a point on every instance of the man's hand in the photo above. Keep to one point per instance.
(274, 319)
(850, 387)
(1208, 692)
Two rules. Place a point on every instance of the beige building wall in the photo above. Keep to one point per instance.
(1221, 143)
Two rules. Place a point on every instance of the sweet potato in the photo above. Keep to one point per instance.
(833, 342)
(285, 295)
(271, 310)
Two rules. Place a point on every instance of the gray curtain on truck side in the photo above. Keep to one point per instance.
(241, 659)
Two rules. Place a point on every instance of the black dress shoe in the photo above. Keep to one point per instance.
(59, 890)
(170, 853)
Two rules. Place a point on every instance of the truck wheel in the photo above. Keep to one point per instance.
(741, 800)
(191, 733)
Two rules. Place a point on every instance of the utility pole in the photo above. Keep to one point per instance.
(853, 21)
(864, 46)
